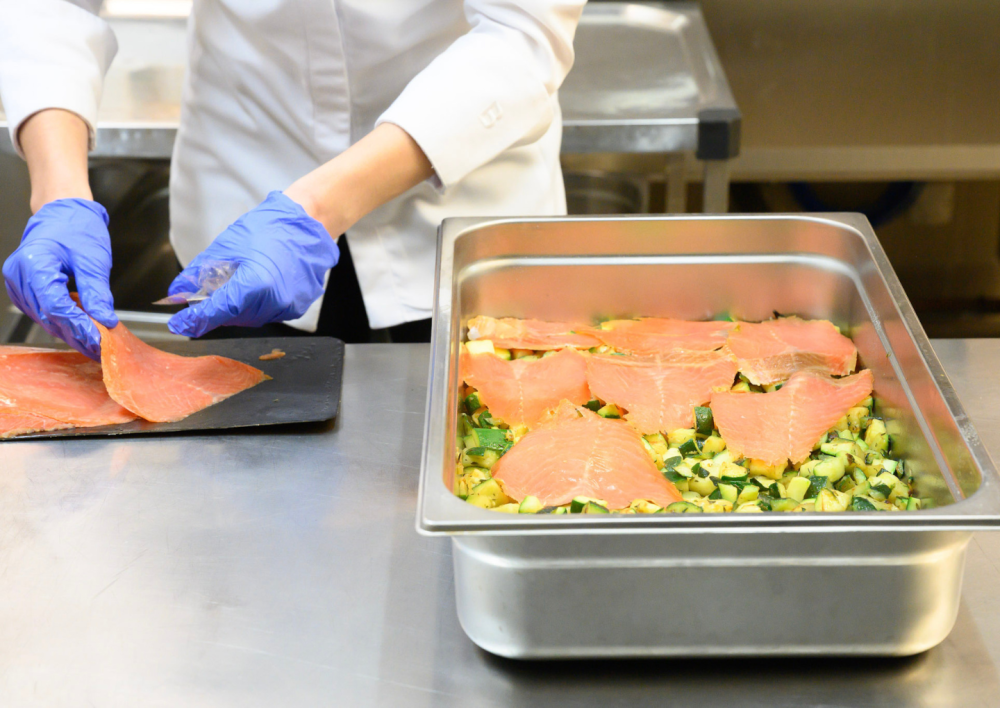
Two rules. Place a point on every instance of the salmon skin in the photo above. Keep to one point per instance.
(510, 333)
(518, 392)
(163, 387)
(46, 389)
(658, 335)
(574, 452)
(769, 352)
(660, 392)
(786, 424)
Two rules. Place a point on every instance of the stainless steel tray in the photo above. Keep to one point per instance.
(699, 584)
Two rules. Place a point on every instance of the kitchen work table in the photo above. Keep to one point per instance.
(282, 568)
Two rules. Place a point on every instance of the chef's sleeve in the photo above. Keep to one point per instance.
(494, 88)
(53, 54)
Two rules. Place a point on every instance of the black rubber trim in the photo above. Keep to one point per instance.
(719, 133)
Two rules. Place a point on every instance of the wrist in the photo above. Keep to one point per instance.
(320, 205)
(47, 193)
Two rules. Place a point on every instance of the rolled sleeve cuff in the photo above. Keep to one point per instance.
(70, 93)
(470, 104)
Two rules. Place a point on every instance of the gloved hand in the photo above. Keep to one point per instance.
(65, 237)
(283, 256)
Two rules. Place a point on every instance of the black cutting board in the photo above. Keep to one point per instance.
(304, 387)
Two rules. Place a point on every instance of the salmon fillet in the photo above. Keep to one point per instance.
(769, 352)
(575, 452)
(653, 335)
(660, 392)
(13, 422)
(510, 333)
(519, 391)
(61, 386)
(787, 423)
(163, 387)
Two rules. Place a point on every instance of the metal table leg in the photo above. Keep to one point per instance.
(716, 187)
(676, 201)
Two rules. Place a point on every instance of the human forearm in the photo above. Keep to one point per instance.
(54, 143)
(379, 167)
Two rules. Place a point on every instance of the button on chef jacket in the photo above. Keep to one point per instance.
(277, 87)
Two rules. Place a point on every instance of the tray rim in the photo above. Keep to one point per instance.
(979, 511)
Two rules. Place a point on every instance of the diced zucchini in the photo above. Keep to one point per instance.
(490, 438)
(728, 492)
(840, 447)
(481, 500)
(797, 488)
(643, 506)
(658, 442)
(475, 475)
(862, 504)
(551, 352)
(718, 506)
(857, 418)
(786, 504)
(691, 496)
(522, 353)
(480, 346)
(741, 387)
(702, 485)
(868, 403)
(465, 424)
(609, 411)
(689, 448)
(832, 500)
(712, 445)
(472, 403)
(461, 488)
(530, 505)
(594, 508)
(832, 468)
(913, 504)
(502, 353)
(761, 468)
(806, 505)
(511, 508)
(491, 488)
(890, 466)
(703, 421)
(554, 510)
(683, 507)
(593, 404)
(876, 436)
(750, 507)
(480, 457)
(678, 437)
(749, 493)
(730, 471)
(577, 505)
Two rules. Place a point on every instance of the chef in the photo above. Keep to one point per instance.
(302, 120)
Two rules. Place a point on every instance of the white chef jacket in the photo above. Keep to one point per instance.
(277, 87)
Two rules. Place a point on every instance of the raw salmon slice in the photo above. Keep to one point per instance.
(660, 392)
(163, 387)
(575, 452)
(510, 333)
(519, 391)
(63, 386)
(769, 352)
(13, 422)
(785, 424)
(653, 335)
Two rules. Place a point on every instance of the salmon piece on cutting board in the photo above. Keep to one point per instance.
(52, 389)
(163, 387)
(786, 424)
(575, 452)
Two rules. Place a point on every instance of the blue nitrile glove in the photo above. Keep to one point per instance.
(65, 237)
(283, 255)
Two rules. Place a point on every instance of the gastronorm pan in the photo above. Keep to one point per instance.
(706, 584)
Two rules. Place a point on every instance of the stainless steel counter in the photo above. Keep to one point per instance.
(283, 568)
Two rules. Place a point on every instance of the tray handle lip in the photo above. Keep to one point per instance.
(978, 512)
